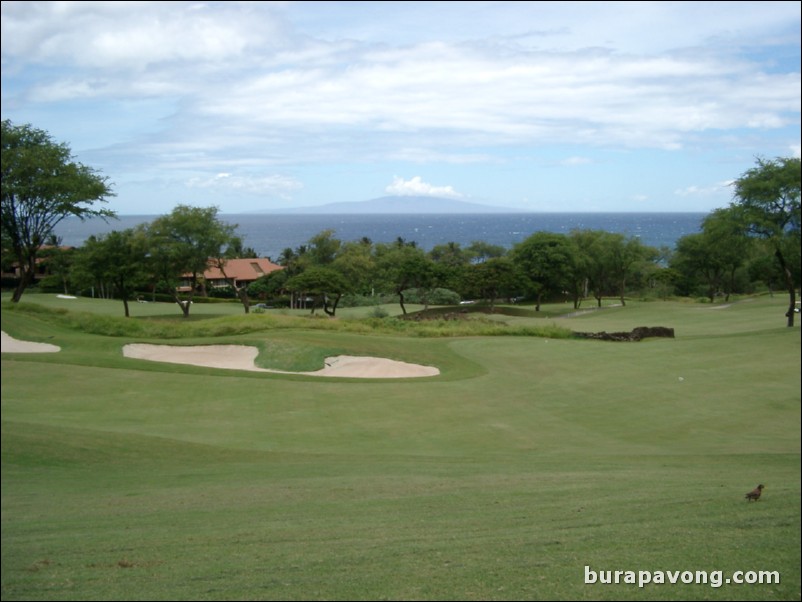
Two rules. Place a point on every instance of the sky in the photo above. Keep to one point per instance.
(537, 106)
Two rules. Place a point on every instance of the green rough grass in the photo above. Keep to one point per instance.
(161, 322)
(526, 460)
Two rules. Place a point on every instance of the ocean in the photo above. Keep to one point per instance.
(270, 234)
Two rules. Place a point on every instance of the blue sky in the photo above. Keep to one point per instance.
(541, 106)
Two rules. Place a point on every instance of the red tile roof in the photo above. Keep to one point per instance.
(243, 270)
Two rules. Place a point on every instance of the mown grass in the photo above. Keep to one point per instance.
(526, 460)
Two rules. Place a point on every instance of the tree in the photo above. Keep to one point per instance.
(181, 246)
(764, 267)
(768, 202)
(451, 255)
(450, 262)
(322, 282)
(606, 260)
(624, 255)
(548, 261)
(117, 261)
(592, 264)
(240, 290)
(356, 263)
(41, 186)
(480, 251)
(237, 250)
(697, 257)
(494, 278)
(58, 262)
(270, 285)
(722, 228)
(323, 248)
(287, 259)
(402, 266)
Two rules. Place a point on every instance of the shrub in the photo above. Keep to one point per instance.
(379, 312)
(437, 296)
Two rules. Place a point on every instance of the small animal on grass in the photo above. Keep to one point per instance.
(755, 493)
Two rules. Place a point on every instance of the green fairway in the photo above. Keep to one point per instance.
(527, 460)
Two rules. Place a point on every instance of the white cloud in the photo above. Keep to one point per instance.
(459, 96)
(417, 187)
(274, 185)
(262, 87)
(627, 26)
(134, 35)
(244, 66)
(696, 191)
(796, 150)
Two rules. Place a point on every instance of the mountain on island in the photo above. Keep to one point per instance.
(398, 205)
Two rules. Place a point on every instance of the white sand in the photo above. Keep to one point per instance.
(9, 344)
(240, 357)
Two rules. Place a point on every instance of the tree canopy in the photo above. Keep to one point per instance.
(181, 245)
(118, 260)
(41, 186)
(548, 261)
(327, 284)
(767, 200)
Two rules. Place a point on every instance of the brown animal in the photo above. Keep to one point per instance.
(755, 493)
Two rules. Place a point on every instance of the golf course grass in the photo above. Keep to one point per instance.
(528, 459)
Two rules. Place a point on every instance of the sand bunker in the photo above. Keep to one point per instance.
(240, 357)
(9, 344)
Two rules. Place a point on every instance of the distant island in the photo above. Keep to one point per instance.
(397, 205)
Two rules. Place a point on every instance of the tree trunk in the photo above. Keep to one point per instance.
(27, 275)
(125, 304)
(184, 305)
(731, 286)
(21, 286)
(242, 293)
(789, 283)
(333, 309)
(401, 301)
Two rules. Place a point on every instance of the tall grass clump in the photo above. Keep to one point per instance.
(471, 327)
(175, 327)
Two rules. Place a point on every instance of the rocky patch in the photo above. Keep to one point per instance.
(637, 334)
